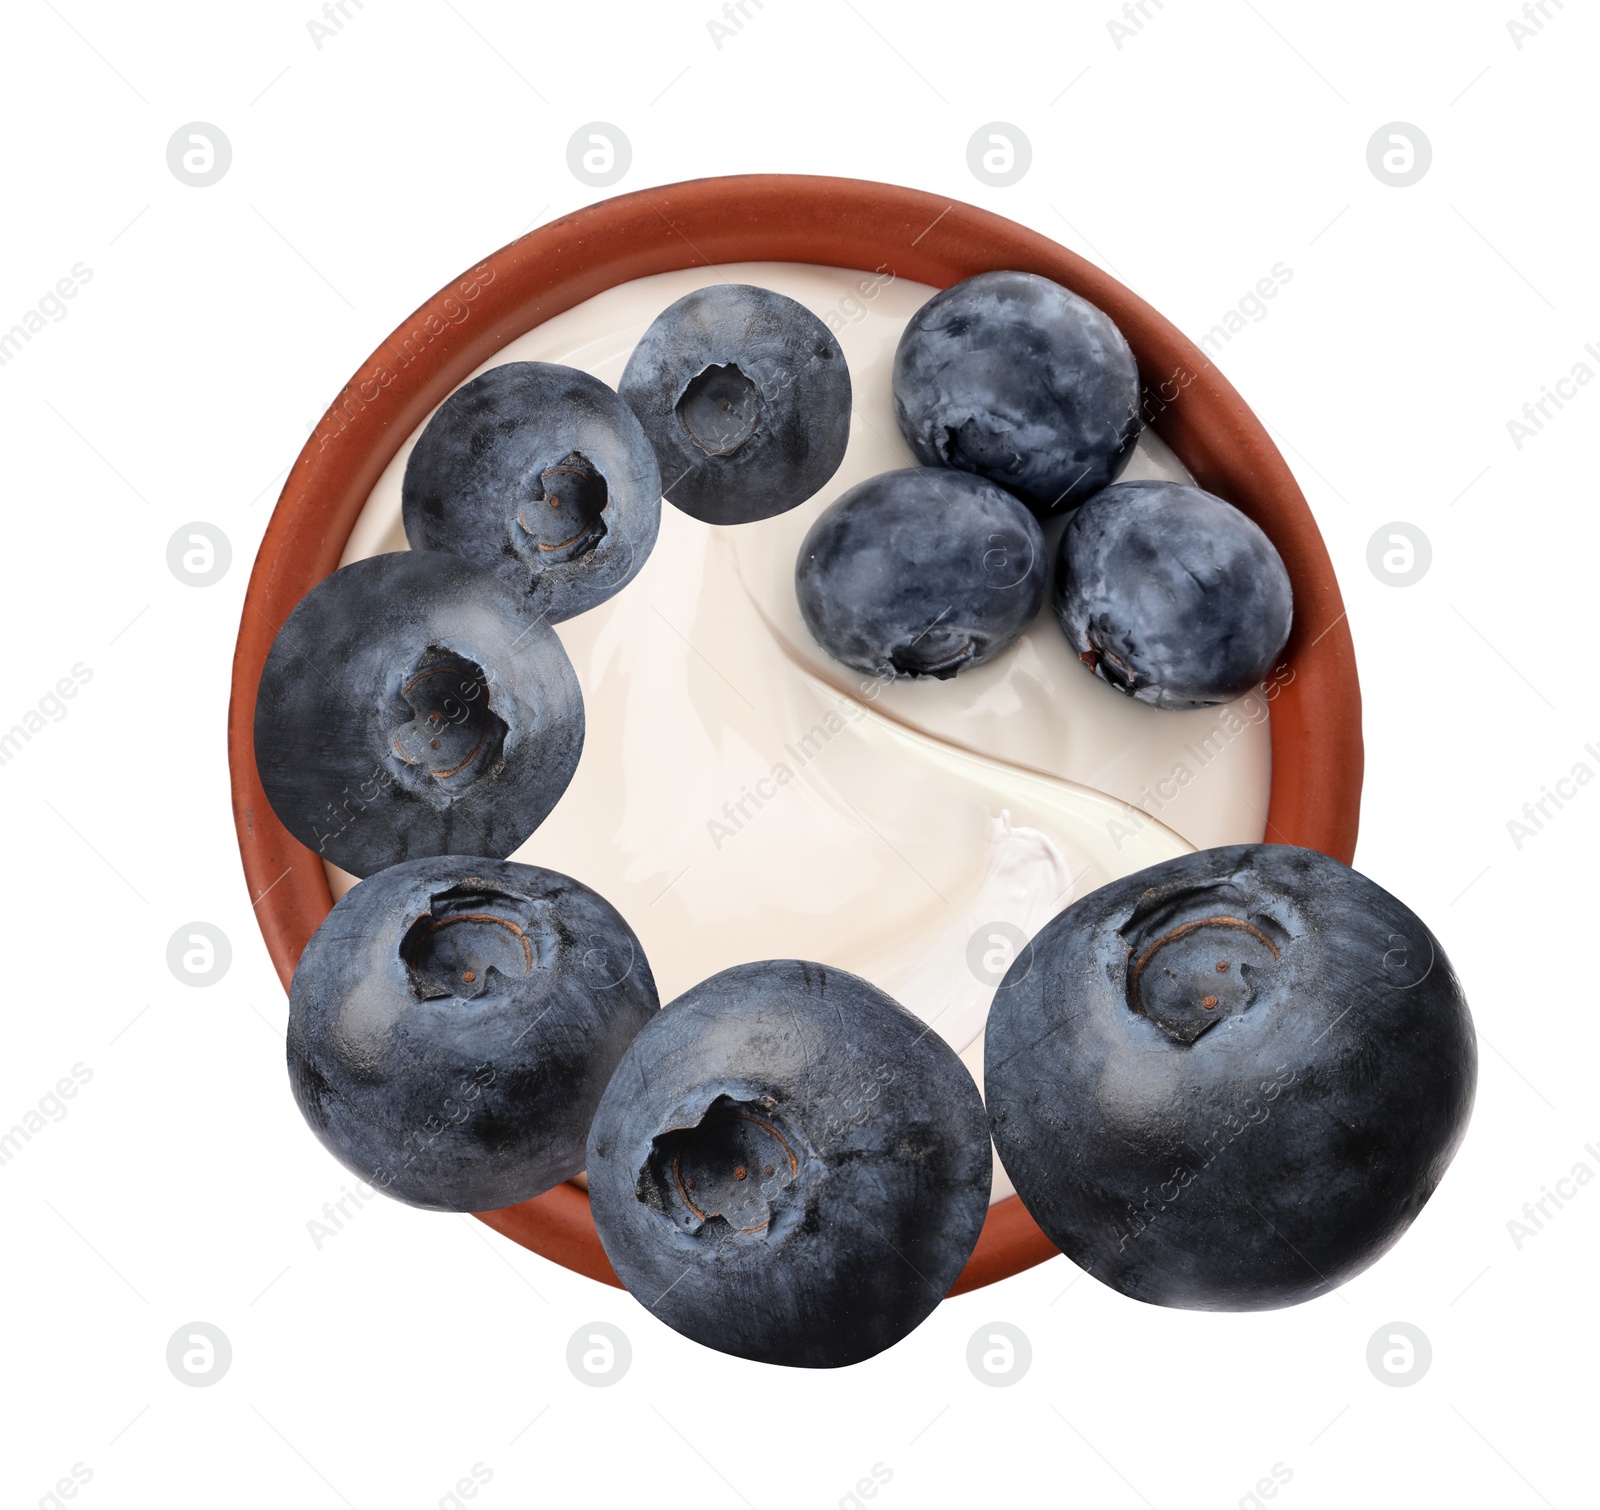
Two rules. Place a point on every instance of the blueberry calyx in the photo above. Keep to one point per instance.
(563, 516)
(1192, 963)
(453, 735)
(937, 658)
(1107, 664)
(970, 442)
(720, 409)
(721, 1175)
(469, 934)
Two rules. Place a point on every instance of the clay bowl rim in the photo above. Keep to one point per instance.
(835, 222)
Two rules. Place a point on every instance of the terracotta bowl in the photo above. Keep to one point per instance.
(839, 222)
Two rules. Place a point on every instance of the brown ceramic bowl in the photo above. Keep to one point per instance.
(839, 222)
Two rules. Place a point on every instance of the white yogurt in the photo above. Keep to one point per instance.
(742, 796)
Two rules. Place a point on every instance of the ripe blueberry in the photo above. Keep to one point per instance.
(1170, 594)
(1011, 376)
(920, 572)
(453, 1023)
(787, 1166)
(745, 396)
(1231, 1081)
(415, 704)
(541, 473)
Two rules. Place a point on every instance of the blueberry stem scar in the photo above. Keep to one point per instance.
(487, 917)
(555, 502)
(739, 1172)
(906, 661)
(433, 718)
(1183, 930)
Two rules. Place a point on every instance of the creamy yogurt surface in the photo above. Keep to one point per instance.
(742, 796)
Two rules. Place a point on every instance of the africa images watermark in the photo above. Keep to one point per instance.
(1252, 305)
(50, 1107)
(52, 707)
(736, 815)
(466, 1487)
(1232, 721)
(1184, 1175)
(866, 1488)
(422, 1138)
(50, 305)
(66, 1487)
(1136, 15)
(335, 17)
(850, 310)
(735, 17)
(1536, 15)
(1536, 813)
(400, 351)
(1553, 398)
(1156, 398)
(1540, 1213)
(337, 1215)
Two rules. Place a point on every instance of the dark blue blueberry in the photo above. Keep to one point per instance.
(1230, 1082)
(788, 1166)
(920, 572)
(746, 398)
(453, 1023)
(415, 704)
(541, 473)
(1171, 595)
(1011, 376)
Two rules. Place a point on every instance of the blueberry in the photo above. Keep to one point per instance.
(415, 704)
(1230, 1082)
(542, 474)
(1170, 594)
(746, 398)
(453, 1023)
(920, 572)
(1011, 376)
(787, 1166)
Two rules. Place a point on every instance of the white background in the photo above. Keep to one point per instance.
(1217, 140)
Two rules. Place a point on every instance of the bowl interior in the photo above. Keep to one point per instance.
(1315, 714)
